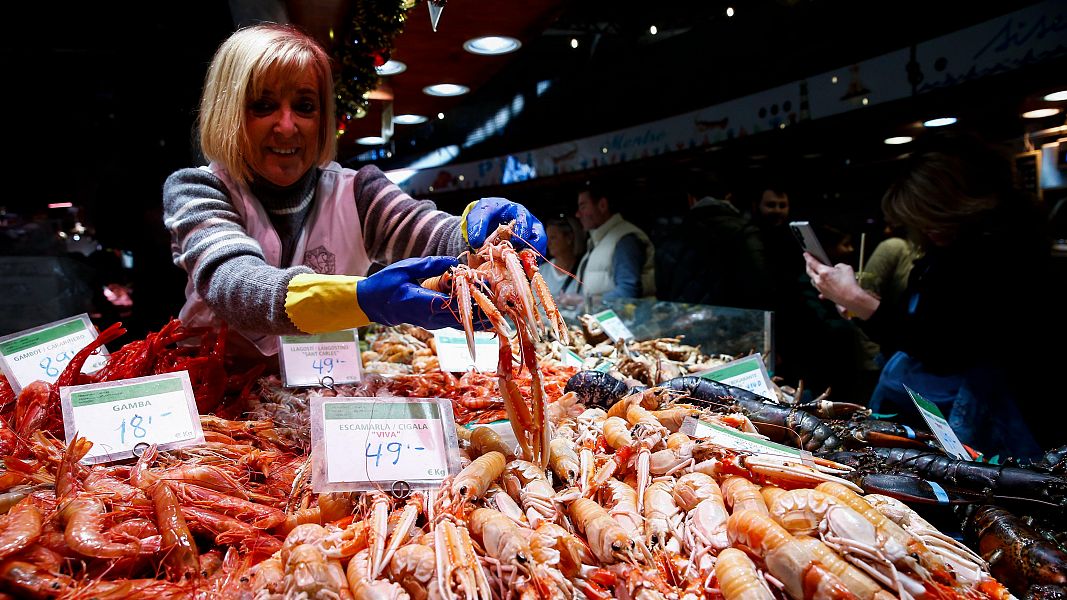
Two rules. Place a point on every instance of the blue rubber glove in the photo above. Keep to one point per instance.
(485, 215)
(393, 295)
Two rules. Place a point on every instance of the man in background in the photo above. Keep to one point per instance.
(619, 259)
(716, 255)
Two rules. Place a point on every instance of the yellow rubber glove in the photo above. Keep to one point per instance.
(322, 303)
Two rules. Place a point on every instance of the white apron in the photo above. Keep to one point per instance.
(330, 243)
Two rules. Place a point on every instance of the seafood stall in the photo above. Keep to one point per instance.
(640, 479)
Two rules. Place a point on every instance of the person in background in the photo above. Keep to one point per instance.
(619, 261)
(716, 255)
(276, 237)
(566, 244)
(885, 274)
(975, 301)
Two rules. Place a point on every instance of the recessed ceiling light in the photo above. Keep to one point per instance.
(491, 44)
(653, 30)
(574, 42)
(729, 11)
(900, 139)
(409, 119)
(446, 89)
(441, 116)
(1057, 96)
(370, 140)
(391, 67)
(1040, 113)
(940, 122)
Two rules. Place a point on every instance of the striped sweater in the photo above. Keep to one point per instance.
(227, 266)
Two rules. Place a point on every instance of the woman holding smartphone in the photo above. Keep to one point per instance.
(968, 314)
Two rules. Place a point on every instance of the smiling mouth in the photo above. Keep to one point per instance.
(284, 151)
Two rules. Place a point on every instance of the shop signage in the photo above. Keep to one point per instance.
(123, 418)
(392, 444)
(42, 353)
(323, 359)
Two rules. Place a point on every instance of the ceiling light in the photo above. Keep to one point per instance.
(866, 101)
(391, 67)
(491, 45)
(653, 30)
(1040, 113)
(440, 116)
(370, 140)
(1057, 96)
(729, 11)
(940, 122)
(574, 42)
(409, 119)
(833, 79)
(898, 140)
(446, 89)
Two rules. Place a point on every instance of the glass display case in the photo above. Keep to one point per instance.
(716, 329)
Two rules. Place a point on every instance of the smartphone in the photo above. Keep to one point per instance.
(805, 234)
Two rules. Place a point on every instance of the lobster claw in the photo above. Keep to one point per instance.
(910, 488)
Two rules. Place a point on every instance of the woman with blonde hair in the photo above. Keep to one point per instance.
(276, 237)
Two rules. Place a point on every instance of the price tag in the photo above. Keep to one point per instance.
(41, 353)
(736, 440)
(939, 426)
(454, 357)
(613, 326)
(308, 360)
(569, 357)
(747, 373)
(503, 429)
(119, 417)
(381, 443)
(604, 366)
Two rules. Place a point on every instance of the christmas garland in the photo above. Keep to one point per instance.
(375, 25)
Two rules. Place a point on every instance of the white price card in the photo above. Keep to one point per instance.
(613, 326)
(323, 359)
(122, 417)
(454, 356)
(747, 373)
(41, 353)
(736, 440)
(388, 444)
(939, 426)
(568, 357)
(503, 429)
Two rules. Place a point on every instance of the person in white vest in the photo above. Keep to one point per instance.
(619, 259)
(276, 237)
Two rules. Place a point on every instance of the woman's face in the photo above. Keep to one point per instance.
(283, 128)
(560, 241)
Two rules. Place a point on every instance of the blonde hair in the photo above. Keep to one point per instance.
(242, 66)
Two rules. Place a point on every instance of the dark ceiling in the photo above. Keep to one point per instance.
(102, 96)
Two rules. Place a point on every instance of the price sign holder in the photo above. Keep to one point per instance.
(613, 326)
(568, 357)
(748, 373)
(325, 359)
(736, 440)
(122, 418)
(503, 429)
(454, 356)
(41, 353)
(388, 444)
(939, 426)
